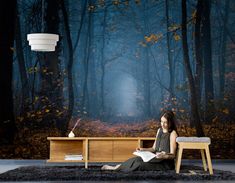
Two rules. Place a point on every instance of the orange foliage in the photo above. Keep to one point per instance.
(101, 129)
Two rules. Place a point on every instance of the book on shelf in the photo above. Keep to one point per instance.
(145, 155)
(73, 157)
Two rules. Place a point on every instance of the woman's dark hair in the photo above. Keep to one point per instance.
(170, 116)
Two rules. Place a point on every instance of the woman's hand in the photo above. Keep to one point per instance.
(139, 149)
(160, 155)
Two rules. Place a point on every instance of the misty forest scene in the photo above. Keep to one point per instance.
(117, 65)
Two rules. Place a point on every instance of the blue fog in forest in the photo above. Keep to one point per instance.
(123, 91)
(127, 59)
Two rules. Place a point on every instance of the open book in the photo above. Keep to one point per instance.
(145, 155)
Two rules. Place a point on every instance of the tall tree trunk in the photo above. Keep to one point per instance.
(223, 51)
(169, 55)
(7, 20)
(146, 71)
(81, 25)
(102, 106)
(85, 99)
(84, 7)
(93, 110)
(195, 118)
(21, 62)
(69, 66)
(198, 51)
(146, 80)
(51, 80)
(207, 57)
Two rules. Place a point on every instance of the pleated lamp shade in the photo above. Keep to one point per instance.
(42, 41)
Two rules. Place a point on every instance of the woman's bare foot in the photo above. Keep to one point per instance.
(108, 167)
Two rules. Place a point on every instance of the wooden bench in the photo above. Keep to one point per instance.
(201, 143)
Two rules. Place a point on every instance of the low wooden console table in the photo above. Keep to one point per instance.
(96, 149)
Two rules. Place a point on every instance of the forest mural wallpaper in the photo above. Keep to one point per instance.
(117, 65)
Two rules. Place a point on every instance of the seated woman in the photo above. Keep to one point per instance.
(164, 147)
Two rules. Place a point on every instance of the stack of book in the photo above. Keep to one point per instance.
(73, 157)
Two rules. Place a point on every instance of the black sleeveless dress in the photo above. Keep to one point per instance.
(136, 163)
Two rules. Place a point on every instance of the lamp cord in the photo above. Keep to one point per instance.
(42, 28)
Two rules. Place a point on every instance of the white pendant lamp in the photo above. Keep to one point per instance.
(44, 42)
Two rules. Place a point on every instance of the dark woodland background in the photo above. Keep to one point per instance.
(117, 65)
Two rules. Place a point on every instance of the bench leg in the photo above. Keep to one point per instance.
(208, 157)
(203, 159)
(178, 159)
